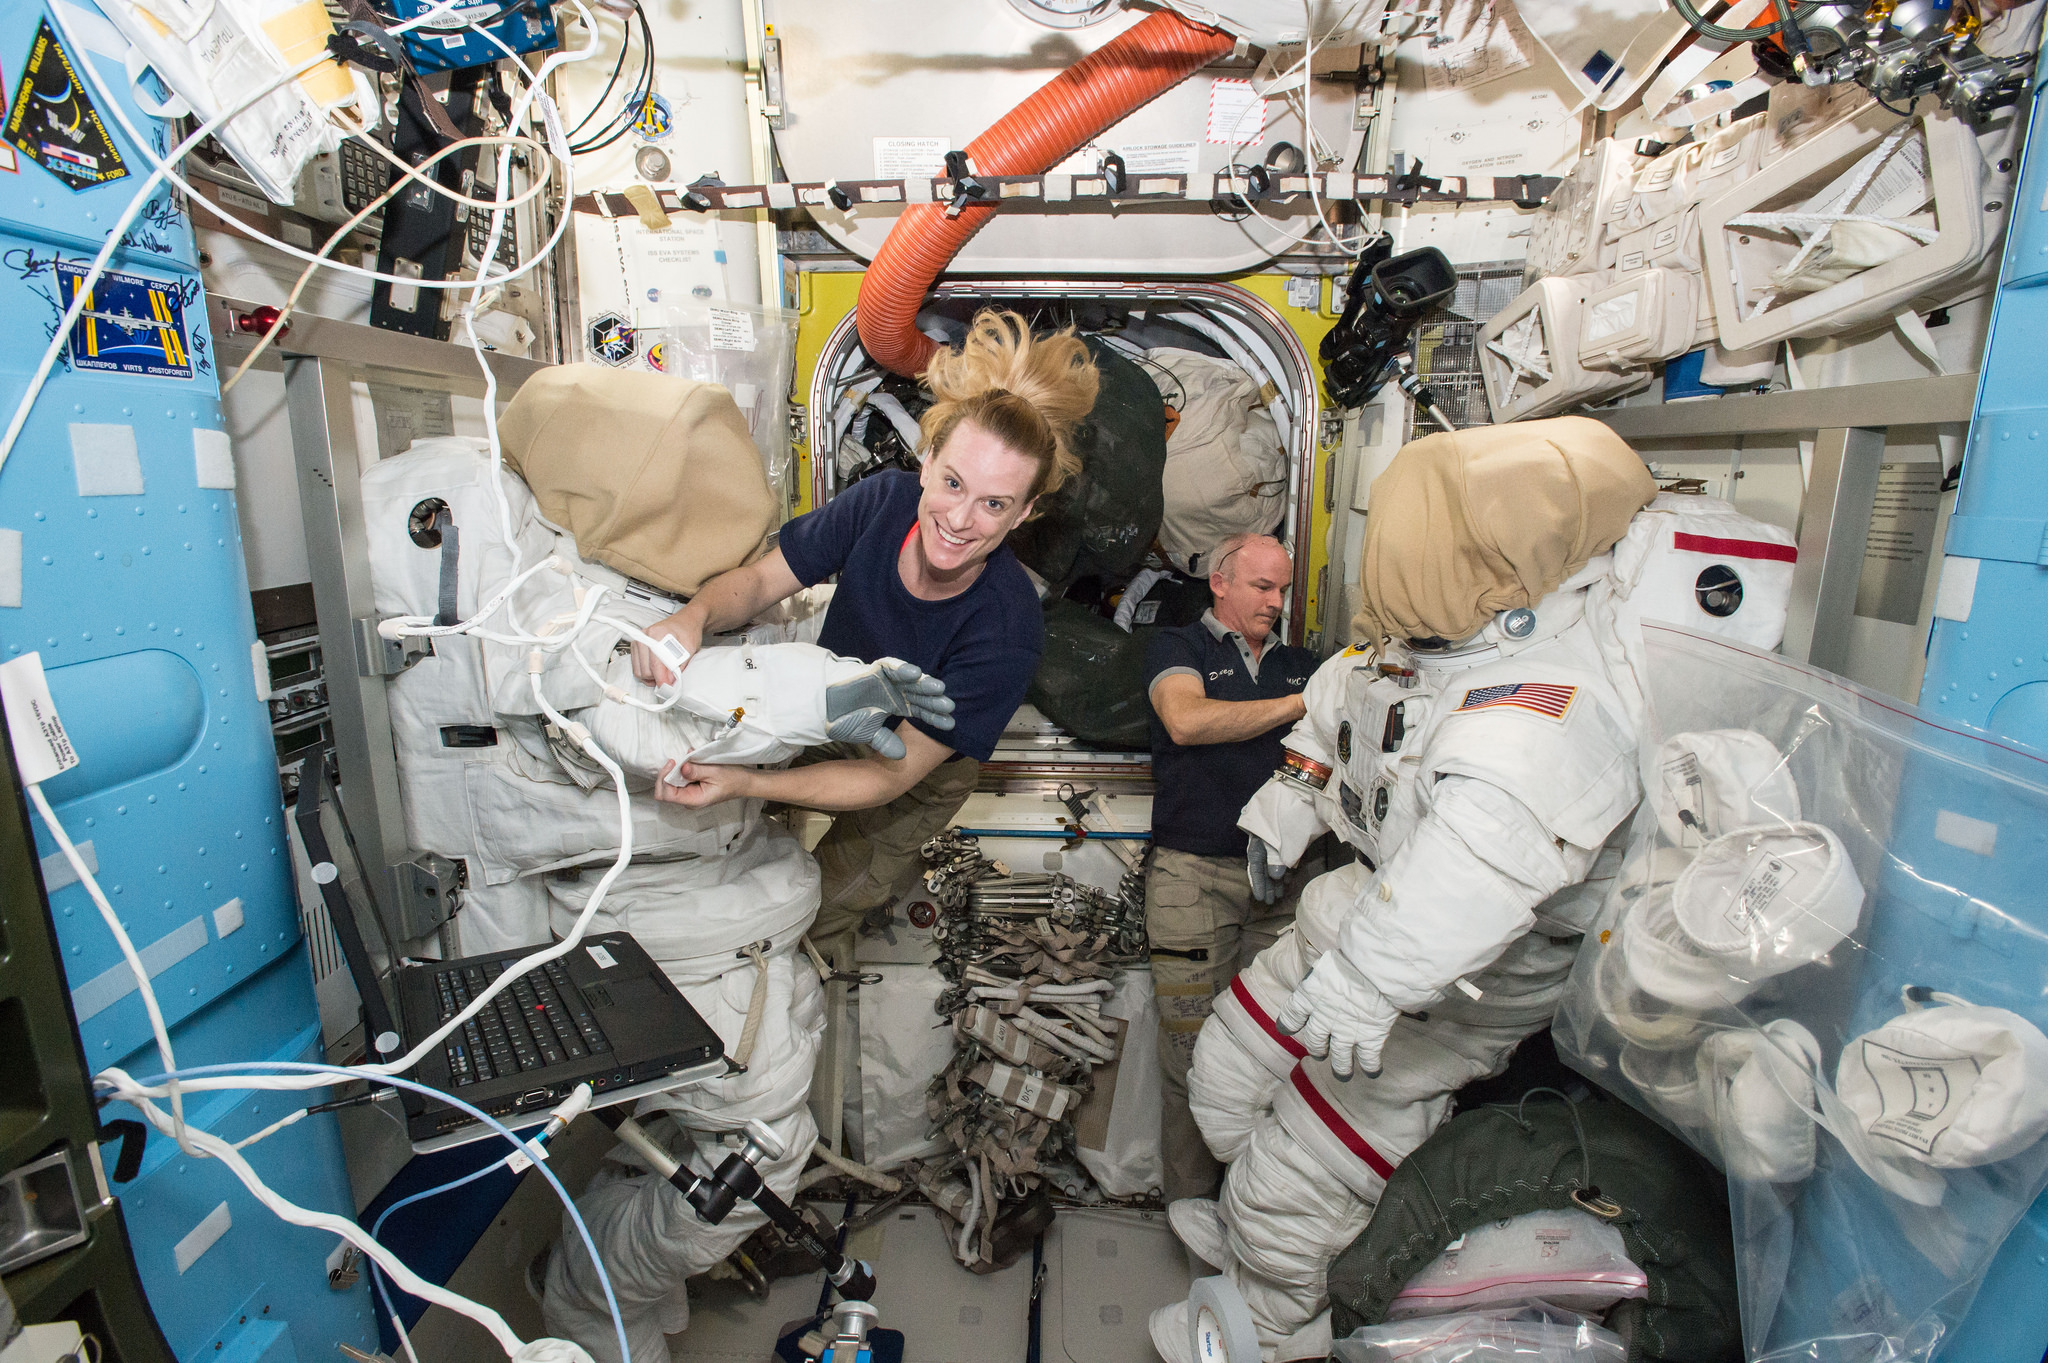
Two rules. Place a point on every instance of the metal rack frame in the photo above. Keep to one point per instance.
(1849, 425)
(320, 359)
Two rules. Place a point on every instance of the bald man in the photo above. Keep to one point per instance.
(1223, 692)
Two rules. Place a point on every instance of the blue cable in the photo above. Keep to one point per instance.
(376, 1273)
(306, 1067)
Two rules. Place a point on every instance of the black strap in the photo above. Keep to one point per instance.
(450, 568)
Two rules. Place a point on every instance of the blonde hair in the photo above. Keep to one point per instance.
(1029, 392)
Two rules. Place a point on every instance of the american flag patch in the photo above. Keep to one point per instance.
(1545, 698)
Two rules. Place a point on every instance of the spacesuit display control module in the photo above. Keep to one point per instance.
(1477, 749)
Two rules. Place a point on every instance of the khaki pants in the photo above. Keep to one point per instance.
(1204, 926)
(869, 857)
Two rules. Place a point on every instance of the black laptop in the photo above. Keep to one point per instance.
(603, 1013)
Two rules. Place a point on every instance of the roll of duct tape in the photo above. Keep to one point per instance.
(1220, 1324)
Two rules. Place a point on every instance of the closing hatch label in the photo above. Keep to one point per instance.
(53, 121)
(130, 324)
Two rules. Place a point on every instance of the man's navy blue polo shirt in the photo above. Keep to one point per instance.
(1198, 791)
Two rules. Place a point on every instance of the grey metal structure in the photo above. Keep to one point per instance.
(320, 359)
(1841, 488)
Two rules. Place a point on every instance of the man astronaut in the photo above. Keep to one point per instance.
(1477, 747)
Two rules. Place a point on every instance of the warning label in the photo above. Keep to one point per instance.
(1919, 1096)
(130, 324)
(53, 121)
(1764, 880)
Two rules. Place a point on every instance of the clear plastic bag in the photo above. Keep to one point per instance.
(1528, 1334)
(1566, 1258)
(750, 351)
(1822, 966)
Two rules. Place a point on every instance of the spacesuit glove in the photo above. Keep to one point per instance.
(859, 707)
(1339, 1012)
(1267, 871)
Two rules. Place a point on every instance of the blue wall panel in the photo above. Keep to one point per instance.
(136, 598)
(1988, 671)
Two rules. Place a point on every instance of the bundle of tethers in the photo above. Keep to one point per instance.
(1030, 961)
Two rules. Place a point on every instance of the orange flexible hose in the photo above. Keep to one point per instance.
(1090, 96)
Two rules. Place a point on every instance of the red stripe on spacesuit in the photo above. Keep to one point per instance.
(1251, 1005)
(1345, 1132)
(1713, 544)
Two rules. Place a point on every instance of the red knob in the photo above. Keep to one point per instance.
(261, 320)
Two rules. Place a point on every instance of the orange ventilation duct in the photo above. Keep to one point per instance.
(1081, 102)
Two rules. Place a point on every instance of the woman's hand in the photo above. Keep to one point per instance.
(686, 628)
(701, 784)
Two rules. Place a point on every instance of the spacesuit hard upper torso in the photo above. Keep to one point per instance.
(1536, 718)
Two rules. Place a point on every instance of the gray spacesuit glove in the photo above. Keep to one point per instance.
(1339, 1012)
(859, 708)
(1267, 872)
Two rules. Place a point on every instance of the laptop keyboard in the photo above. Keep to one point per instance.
(541, 1020)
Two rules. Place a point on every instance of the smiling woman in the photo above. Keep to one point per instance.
(924, 576)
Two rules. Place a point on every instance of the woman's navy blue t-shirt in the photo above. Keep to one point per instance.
(984, 643)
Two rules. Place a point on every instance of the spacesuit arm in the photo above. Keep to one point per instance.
(1460, 890)
(1283, 813)
(751, 705)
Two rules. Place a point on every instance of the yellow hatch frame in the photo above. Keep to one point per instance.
(824, 298)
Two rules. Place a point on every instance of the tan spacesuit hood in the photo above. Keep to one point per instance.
(656, 477)
(1467, 524)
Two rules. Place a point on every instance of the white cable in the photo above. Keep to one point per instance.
(119, 1084)
(119, 230)
(121, 939)
(558, 143)
(412, 173)
(162, 165)
(208, 1144)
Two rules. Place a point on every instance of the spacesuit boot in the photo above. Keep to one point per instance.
(1481, 786)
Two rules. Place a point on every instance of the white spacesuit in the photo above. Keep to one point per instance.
(719, 897)
(1486, 785)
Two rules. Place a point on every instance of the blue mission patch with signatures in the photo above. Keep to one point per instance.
(130, 324)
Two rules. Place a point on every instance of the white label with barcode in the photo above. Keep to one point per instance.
(602, 957)
(41, 747)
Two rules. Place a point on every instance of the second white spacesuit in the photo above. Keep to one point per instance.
(494, 738)
(1486, 786)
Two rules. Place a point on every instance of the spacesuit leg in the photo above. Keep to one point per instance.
(1203, 924)
(651, 1240)
(1241, 1057)
(870, 856)
(1314, 1167)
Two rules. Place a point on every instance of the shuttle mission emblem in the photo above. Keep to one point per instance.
(612, 340)
(129, 324)
(53, 121)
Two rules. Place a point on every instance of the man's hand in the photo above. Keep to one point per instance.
(1339, 1012)
(1267, 871)
(699, 785)
(683, 627)
(860, 707)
